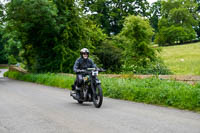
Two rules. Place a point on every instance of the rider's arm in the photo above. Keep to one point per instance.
(93, 65)
(75, 68)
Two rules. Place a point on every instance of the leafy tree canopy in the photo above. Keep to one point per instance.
(3, 57)
(136, 41)
(155, 14)
(177, 16)
(50, 32)
(110, 14)
(47, 35)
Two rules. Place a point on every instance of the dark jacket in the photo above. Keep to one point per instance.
(83, 64)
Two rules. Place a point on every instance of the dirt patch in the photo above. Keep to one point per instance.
(18, 69)
(3, 65)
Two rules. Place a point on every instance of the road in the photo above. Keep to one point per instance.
(2, 71)
(32, 108)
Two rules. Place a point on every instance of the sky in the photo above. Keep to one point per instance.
(2, 1)
(151, 1)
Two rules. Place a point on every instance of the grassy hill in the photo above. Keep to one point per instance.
(182, 59)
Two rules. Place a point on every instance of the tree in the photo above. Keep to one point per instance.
(35, 26)
(3, 58)
(177, 22)
(110, 14)
(155, 14)
(76, 32)
(50, 33)
(197, 29)
(135, 39)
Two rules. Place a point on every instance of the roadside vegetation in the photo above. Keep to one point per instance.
(182, 59)
(152, 90)
(3, 67)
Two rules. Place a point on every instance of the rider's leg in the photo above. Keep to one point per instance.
(75, 84)
(79, 80)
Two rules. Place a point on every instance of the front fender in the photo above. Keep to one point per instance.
(97, 82)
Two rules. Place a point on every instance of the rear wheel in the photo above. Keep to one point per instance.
(98, 98)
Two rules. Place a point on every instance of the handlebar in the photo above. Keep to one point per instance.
(101, 70)
(80, 71)
(90, 70)
(96, 69)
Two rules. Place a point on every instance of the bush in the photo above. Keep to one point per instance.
(139, 56)
(109, 56)
(135, 39)
(158, 68)
(174, 35)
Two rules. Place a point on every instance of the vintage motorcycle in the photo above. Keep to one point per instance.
(90, 90)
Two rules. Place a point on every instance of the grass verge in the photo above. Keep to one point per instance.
(151, 90)
(3, 67)
(49, 79)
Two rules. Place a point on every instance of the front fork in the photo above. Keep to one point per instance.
(94, 83)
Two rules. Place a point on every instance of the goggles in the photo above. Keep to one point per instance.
(85, 53)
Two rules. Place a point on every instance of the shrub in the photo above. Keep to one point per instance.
(136, 38)
(157, 67)
(139, 56)
(109, 56)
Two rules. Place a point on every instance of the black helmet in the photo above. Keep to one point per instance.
(84, 50)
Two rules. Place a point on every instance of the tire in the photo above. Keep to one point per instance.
(80, 102)
(97, 101)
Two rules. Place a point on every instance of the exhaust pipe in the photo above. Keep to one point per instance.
(75, 97)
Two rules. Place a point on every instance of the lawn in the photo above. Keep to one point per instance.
(182, 59)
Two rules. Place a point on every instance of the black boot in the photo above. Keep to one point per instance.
(77, 88)
(73, 87)
(77, 94)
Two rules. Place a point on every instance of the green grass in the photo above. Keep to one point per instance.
(151, 90)
(183, 59)
(3, 67)
(50, 79)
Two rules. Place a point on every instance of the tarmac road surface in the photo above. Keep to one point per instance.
(2, 71)
(32, 108)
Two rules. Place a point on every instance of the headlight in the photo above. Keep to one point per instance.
(95, 73)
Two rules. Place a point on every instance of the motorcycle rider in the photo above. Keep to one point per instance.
(80, 66)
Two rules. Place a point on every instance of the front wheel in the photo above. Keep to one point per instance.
(80, 102)
(98, 98)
